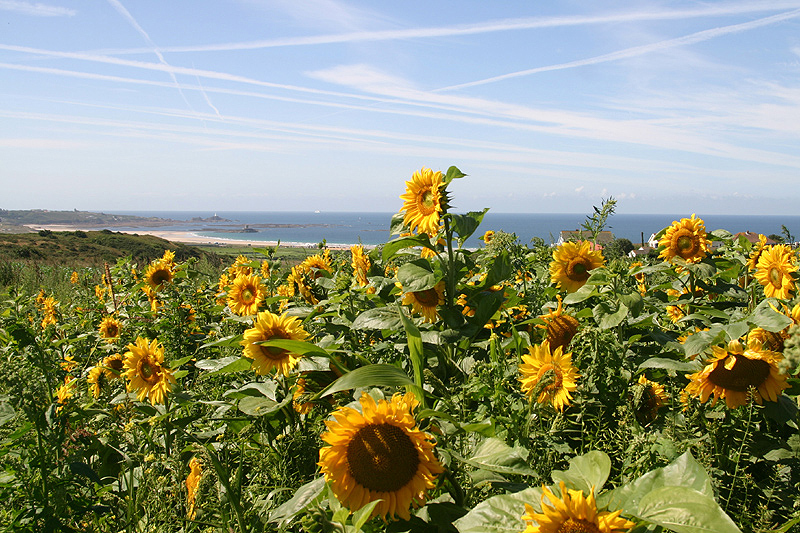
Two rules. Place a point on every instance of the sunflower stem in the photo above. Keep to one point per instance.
(745, 438)
(451, 274)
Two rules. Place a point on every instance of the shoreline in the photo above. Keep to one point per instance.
(189, 237)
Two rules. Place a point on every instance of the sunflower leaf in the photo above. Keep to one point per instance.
(685, 510)
(766, 317)
(453, 173)
(416, 276)
(465, 225)
(392, 247)
(382, 375)
(586, 472)
(500, 514)
(306, 495)
(379, 318)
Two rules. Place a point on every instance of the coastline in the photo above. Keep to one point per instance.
(187, 237)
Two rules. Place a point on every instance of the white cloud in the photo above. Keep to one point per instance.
(36, 9)
(579, 189)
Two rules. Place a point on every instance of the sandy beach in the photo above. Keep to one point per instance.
(187, 237)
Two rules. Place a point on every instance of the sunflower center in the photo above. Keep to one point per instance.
(111, 330)
(578, 270)
(555, 372)
(247, 296)
(427, 202)
(382, 457)
(160, 276)
(148, 372)
(775, 276)
(428, 297)
(577, 525)
(744, 374)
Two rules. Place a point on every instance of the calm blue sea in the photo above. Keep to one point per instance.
(373, 228)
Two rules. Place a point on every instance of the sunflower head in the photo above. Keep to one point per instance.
(755, 252)
(145, 371)
(98, 379)
(572, 263)
(110, 328)
(735, 373)
(158, 274)
(192, 486)
(361, 264)
(573, 512)
(648, 397)
(548, 375)
(560, 328)
(685, 239)
(269, 326)
(424, 201)
(426, 302)
(379, 454)
(774, 270)
(245, 295)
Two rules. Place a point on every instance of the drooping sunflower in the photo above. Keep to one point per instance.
(245, 295)
(685, 239)
(360, 263)
(269, 326)
(110, 328)
(158, 273)
(551, 372)
(572, 513)
(560, 328)
(98, 379)
(426, 302)
(192, 484)
(733, 372)
(379, 454)
(145, 371)
(774, 271)
(648, 397)
(572, 262)
(422, 201)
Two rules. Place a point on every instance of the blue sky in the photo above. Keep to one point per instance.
(669, 107)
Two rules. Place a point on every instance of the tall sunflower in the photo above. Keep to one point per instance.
(245, 295)
(774, 271)
(572, 513)
(422, 201)
(733, 372)
(551, 373)
(572, 262)
(109, 328)
(145, 371)
(426, 302)
(158, 273)
(560, 328)
(379, 454)
(685, 239)
(360, 263)
(269, 326)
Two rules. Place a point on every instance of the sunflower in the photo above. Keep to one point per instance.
(571, 264)
(425, 302)
(143, 365)
(755, 252)
(74, 278)
(685, 239)
(774, 271)
(192, 484)
(240, 267)
(551, 373)
(65, 392)
(269, 326)
(245, 295)
(774, 340)
(487, 237)
(98, 379)
(360, 264)
(733, 372)
(639, 276)
(560, 328)
(572, 513)
(299, 395)
(158, 273)
(109, 328)
(115, 364)
(422, 201)
(648, 398)
(379, 454)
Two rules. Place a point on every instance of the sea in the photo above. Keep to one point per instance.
(370, 228)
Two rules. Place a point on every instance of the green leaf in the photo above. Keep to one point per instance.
(417, 352)
(416, 276)
(685, 510)
(633, 301)
(261, 406)
(500, 514)
(769, 319)
(465, 225)
(232, 340)
(361, 516)
(497, 456)
(303, 348)
(379, 318)
(586, 472)
(606, 319)
(670, 364)
(305, 496)
(226, 365)
(369, 376)
(585, 292)
(452, 174)
(394, 246)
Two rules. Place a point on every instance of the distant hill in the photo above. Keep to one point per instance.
(92, 247)
(75, 217)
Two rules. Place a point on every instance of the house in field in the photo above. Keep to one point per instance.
(603, 238)
(752, 237)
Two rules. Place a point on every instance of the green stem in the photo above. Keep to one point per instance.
(451, 274)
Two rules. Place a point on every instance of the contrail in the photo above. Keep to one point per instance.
(636, 50)
(478, 28)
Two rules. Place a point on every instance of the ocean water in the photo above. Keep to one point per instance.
(373, 228)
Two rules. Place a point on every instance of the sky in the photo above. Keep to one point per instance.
(673, 107)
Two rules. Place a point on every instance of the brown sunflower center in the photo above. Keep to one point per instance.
(744, 374)
(555, 372)
(148, 371)
(111, 330)
(428, 297)
(578, 269)
(160, 276)
(382, 457)
(775, 277)
(577, 525)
